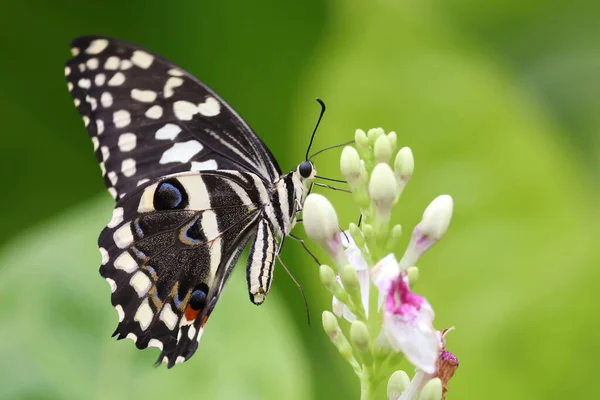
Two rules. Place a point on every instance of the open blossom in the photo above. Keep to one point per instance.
(357, 261)
(407, 317)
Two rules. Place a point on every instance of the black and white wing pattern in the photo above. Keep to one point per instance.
(168, 250)
(147, 117)
(193, 185)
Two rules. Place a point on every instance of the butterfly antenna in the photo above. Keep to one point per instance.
(312, 137)
(299, 288)
(335, 146)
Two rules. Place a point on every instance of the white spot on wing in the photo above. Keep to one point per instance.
(120, 312)
(127, 141)
(181, 152)
(67, 71)
(105, 153)
(117, 79)
(128, 167)
(112, 191)
(142, 181)
(84, 83)
(106, 99)
(141, 283)
(179, 359)
(117, 216)
(104, 255)
(204, 165)
(97, 46)
(168, 132)
(126, 64)
(100, 126)
(92, 63)
(86, 120)
(175, 72)
(99, 79)
(155, 343)
(132, 336)
(191, 332)
(144, 315)
(169, 317)
(123, 238)
(142, 59)
(184, 110)
(74, 51)
(95, 142)
(171, 84)
(154, 112)
(112, 63)
(113, 285)
(112, 176)
(145, 96)
(70, 87)
(121, 118)
(210, 107)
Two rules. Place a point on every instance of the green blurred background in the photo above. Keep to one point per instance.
(499, 100)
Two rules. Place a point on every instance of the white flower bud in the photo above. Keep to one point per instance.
(374, 133)
(397, 384)
(321, 225)
(404, 165)
(350, 165)
(382, 149)
(437, 217)
(432, 390)
(383, 189)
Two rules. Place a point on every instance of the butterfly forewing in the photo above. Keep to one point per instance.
(148, 118)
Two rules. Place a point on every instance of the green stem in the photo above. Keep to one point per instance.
(366, 387)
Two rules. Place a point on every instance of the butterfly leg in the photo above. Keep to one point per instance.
(259, 271)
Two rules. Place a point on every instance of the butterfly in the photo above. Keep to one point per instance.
(193, 186)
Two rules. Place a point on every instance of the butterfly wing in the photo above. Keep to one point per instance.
(168, 251)
(148, 118)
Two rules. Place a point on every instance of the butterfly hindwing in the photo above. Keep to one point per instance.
(148, 118)
(168, 250)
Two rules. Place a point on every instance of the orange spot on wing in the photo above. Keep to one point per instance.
(190, 313)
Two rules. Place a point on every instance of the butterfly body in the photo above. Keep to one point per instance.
(193, 186)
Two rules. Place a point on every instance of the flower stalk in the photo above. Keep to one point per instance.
(374, 337)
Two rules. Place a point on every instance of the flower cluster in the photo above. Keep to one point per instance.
(400, 322)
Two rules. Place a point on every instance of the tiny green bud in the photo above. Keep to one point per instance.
(393, 139)
(397, 384)
(357, 235)
(333, 330)
(359, 334)
(331, 283)
(373, 134)
(360, 138)
(394, 237)
(349, 278)
(327, 275)
(432, 390)
(404, 165)
(368, 232)
(413, 275)
(382, 149)
(383, 189)
(350, 165)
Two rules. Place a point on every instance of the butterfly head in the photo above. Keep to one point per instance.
(306, 170)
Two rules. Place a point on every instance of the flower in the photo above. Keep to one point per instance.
(407, 317)
(356, 261)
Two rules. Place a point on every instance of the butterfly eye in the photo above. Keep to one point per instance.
(198, 299)
(305, 169)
